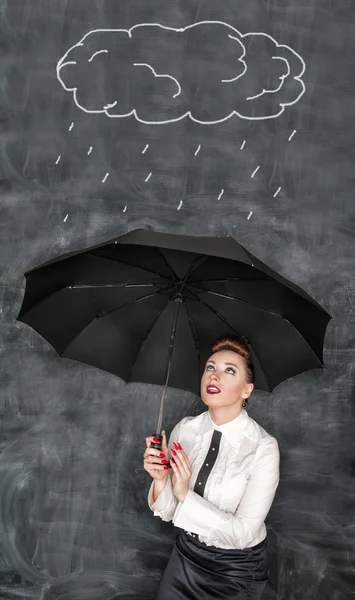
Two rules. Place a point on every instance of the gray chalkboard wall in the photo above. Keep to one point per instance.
(188, 116)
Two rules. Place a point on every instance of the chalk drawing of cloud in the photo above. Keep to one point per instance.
(207, 71)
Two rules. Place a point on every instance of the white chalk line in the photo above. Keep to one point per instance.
(156, 75)
(282, 77)
(180, 205)
(145, 149)
(71, 126)
(240, 60)
(221, 194)
(242, 146)
(256, 170)
(249, 215)
(61, 63)
(108, 106)
(149, 176)
(292, 134)
(96, 53)
(124, 210)
(58, 159)
(277, 191)
(106, 176)
(90, 150)
(198, 150)
(64, 220)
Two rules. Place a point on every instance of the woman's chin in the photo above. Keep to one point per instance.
(209, 398)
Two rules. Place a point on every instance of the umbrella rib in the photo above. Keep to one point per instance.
(134, 301)
(264, 310)
(219, 316)
(112, 285)
(194, 264)
(212, 309)
(226, 279)
(145, 337)
(193, 330)
(122, 262)
(257, 308)
(72, 287)
(99, 316)
(161, 255)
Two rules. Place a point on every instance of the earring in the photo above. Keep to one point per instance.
(244, 403)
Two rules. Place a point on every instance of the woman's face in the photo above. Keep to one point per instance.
(224, 382)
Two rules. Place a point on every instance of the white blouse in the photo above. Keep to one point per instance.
(240, 488)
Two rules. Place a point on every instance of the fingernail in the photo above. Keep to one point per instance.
(156, 441)
(167, 468)
(162, 454)
(164, 461)
(173, 451)
(176, 446)
(179, 447)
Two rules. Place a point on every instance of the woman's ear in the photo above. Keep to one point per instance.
(249, 389)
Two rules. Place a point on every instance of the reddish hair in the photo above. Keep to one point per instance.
(238, 344)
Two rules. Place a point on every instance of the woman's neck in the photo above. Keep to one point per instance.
(221, 417)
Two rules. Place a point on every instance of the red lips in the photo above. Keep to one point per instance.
(213, 389)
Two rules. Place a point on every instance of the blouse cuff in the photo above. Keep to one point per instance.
(165, 505)
(197, 514)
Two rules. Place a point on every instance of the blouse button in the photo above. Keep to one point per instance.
(212, 448)
(199, 483)
(206, 464)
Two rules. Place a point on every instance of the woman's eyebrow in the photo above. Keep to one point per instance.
(227, 363)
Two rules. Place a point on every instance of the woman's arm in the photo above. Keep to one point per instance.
(198, 515)
(161, 499)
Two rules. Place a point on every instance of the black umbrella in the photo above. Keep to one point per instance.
(148, 306)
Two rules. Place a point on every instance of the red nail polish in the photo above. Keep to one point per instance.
(161, 455)
(176, 446)
(166, 468)
(180, 447)
(156, 441)
(164, 462)
(173, 451)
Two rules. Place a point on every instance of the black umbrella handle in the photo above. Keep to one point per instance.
(157, 446)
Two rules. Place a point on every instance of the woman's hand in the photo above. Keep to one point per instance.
(158, 471)
(181, 472)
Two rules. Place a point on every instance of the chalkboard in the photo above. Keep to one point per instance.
(202, 118)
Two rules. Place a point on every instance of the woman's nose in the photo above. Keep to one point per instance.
(214, 375)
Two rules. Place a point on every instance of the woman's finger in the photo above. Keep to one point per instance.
(164, 444)
(183, 463)
(154, 453)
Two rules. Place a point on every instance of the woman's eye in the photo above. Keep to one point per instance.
(230, 370)
(209, 367)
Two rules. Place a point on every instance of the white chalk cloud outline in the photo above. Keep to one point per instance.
(63, 63)
(156, 75)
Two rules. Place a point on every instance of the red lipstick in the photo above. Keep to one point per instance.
(212, 389)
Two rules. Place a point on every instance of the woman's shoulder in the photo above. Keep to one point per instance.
(263, 437)
(191, 422)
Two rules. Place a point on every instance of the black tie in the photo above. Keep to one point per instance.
(208, 463)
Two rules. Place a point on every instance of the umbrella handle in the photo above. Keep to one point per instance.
(157, 446)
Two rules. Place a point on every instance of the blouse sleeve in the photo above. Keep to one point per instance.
(166, 503)
(198, 515)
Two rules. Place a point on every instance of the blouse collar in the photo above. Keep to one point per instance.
(233, 430)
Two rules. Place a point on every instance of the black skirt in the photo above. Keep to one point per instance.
(196, 571)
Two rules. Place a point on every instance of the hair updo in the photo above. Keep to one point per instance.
(238, 344)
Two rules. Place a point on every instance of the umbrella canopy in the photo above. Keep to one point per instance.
(121, 306)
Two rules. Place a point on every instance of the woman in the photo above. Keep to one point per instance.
(223, 479)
